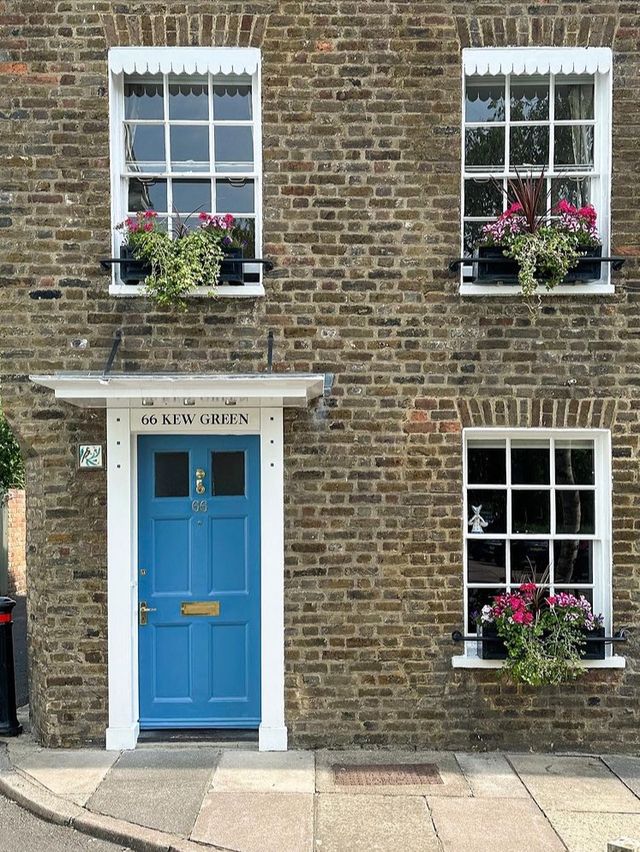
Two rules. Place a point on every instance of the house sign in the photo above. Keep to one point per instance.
(196, 420)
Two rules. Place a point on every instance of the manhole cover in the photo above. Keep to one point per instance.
(371, 774)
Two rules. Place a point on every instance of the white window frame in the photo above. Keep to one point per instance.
(511, 62)
(602, 566)
(182, 61)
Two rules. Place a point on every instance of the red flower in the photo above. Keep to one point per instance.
(150, 214)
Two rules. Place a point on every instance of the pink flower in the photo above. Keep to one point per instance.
(150, 214)
(204, 217)
(148, 226)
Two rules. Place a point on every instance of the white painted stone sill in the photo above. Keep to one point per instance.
(595, 289)
(471, 661)
(223, 291)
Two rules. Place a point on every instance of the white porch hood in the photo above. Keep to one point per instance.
(126, 390)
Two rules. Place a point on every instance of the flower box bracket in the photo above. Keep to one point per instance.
(132, 270)
(494, 265)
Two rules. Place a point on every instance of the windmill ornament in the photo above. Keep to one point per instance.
(477, 522)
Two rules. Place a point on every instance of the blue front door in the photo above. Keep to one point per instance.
(199, 581)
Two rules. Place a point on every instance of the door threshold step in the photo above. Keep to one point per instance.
(194, 737)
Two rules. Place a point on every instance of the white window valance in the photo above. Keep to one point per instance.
(536, 60)
(184, 60)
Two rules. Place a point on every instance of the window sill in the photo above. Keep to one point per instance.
(224, 291)
(471, 661)
(595, 289)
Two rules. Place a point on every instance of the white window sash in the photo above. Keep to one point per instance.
(596, 62)
(602, 538)
(161, 61)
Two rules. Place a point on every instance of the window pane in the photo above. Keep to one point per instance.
(188, 100)
(234, 148)
(245, 233)
(484, 101)
(488, 509)
(472, 235)
(485, 561)
(530, 462)
(143, 99)
(477, 598)
(234, 196)
(530, 512)
(575, 463)
(482, 198)
(147, 195)
(486, 462)
(232, 102)
(529, 146)
(192, 196)
(144, 144)
(573, 561)
(171, 474)
(189, 148)
(575, 511)
(530, 101)
(576, 191)
(573, 100)
(529, 561)
(574, 146)
(484, 147)
(227, 474)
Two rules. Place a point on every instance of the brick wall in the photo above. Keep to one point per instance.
(361, 108)
(16, 542)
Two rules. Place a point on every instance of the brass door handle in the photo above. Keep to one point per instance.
(200, 475)
(143, 609)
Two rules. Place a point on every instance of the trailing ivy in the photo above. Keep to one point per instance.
(179, 265)
(11, 463)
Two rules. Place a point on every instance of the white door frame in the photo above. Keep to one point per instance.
(125, 395)
(122, 537)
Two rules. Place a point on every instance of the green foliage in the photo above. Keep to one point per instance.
(178, 266)
(11, 464)
(544, 257)
(544, 654)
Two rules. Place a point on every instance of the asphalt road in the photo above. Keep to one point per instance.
(20, 831)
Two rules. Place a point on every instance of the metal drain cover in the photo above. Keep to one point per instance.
(386, 774)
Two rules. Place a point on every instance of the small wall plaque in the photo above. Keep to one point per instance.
(90, 456)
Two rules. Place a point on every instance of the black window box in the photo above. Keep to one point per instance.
(506, 271)
(593, 650)
(134, 272)
(493, 647)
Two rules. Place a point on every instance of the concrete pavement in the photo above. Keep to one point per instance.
(227, 797)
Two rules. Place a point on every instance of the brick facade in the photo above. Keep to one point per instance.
(361, 125)
(16, 542)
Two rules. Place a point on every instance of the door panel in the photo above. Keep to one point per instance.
(199, 543)
(230, 562)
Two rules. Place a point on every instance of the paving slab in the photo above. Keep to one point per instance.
(256, 822)
(491, 776)
(480, 825)
(72, 773)
(591, 832)
(453, 781)
(627, 768)
(265, 772)
(161, 789)
(369, 823)
(573, 784)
